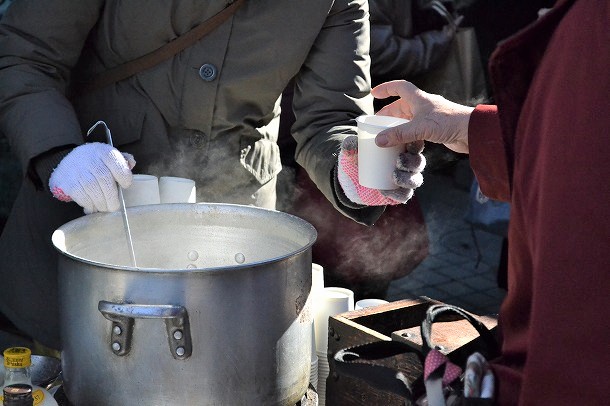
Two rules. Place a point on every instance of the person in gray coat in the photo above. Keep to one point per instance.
(210, 113)
(401, 46)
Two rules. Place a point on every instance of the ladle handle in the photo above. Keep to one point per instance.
(132, 253)
(122, 316)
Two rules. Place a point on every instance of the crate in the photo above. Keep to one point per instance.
(399, 321)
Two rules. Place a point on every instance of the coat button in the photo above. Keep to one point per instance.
(197, 139)
(208, 72)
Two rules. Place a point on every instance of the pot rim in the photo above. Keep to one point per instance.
(58, 239)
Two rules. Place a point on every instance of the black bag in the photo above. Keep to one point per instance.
(408, 383)
(426, 18)
(460, 77)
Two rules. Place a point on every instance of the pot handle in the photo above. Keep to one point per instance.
(122, 316)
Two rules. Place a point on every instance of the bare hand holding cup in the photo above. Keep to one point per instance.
(431, 117)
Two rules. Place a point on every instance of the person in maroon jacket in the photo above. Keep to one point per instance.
(545, 147)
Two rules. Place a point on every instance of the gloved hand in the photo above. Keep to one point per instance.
(478, 378)
(440, 375)
(88, 175)
(432, 117)
(407, 175)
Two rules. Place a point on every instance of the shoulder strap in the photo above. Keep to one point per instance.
(490, 348)
(159, 55)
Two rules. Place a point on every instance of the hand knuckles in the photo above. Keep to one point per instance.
(409, 180)
(411, 162)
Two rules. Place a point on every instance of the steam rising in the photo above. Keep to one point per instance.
(390, 249)
(358, 254)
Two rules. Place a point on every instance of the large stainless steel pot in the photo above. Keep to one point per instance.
(191, 325)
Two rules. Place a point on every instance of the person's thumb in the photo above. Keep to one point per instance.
(401, 134)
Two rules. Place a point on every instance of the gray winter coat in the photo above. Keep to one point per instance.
(397, 50)
(210, 113)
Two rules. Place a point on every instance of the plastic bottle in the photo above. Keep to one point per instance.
(17, 361)
(18, 394)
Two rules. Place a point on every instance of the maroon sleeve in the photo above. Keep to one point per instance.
(488, 156)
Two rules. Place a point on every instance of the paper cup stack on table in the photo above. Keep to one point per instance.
(332, 301)
(376, 165)
(317, 278)
(143, 190)
(364, 303)
(177, 190)
(317, 284)
(313, 370)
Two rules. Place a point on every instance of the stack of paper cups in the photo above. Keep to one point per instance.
(176, 190)
(313, 371)
(144, 190)
(317, 284)
(317, 277)
(332, 301)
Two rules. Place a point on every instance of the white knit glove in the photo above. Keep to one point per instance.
(88, 175)
(407, 175)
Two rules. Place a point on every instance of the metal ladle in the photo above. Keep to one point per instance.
(121, 199)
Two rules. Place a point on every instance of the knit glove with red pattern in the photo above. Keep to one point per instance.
(407, 175)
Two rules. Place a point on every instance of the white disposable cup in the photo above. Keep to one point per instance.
(363, 303)
(317, 277)
(313, 377)
(330, 302)
(334, 291)
(317, 284)
(323, 372)
(177, 190)
(143, 190)
(313, 372)
(313, 341)
(376, 165)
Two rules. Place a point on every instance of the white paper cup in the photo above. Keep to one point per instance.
(143, 190)
(317, 284)
(362, 303)
(323, 372)
(317, 277)
(330, 302)
(313, 371)
(313, 341)
(336, 292)
(177, 190)
(375, 164)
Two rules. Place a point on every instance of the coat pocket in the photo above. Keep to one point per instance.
(261, 159)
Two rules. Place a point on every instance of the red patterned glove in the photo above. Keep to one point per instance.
(407, 175)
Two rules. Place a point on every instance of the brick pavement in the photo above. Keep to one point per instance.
(452, 272)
